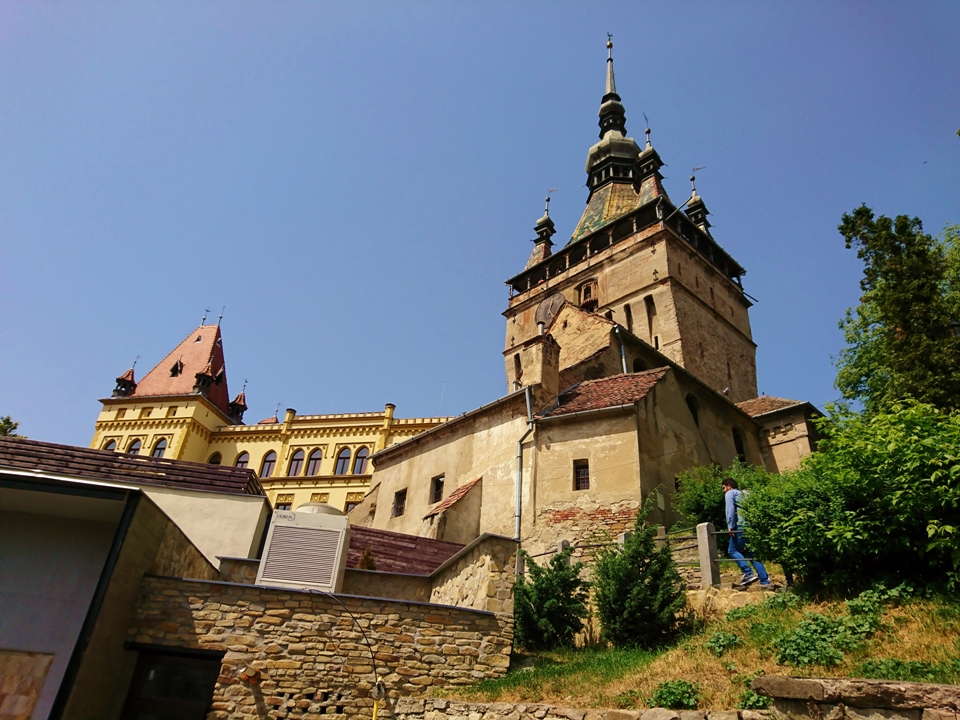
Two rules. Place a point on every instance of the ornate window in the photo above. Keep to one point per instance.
(588, 295)
(134, 447)
(313, 463)
(160, 448)
(296, 464)
(343, 462)
(360, 461)
(111, 445)
(215, 459)
(320, 497)
(353, 499)
(242, 460)
(581, 475)
(269, 462)
(284, 502)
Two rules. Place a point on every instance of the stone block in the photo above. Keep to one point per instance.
(624, 715)
(692, 714)
(723, 715)
(659, 714)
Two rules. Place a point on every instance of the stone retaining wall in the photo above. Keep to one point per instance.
(417, 709)
(839, 699)
(312, 657)
(482, 578)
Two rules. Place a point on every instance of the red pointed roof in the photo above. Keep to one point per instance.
(240, 400)
(200, 352)
(128, 376)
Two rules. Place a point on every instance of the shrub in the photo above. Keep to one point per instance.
(549, 607)
(366, 561)
(721, 641)
(675, 695)
(638, 592)
(699, 497)
(880, 500)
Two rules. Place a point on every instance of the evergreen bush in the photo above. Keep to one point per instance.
(638, 592)
(550, 605)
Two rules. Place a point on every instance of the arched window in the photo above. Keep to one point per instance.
(360, 461)
(343, 462)
(694, 406)
(215, 459)
(242, 460)
(313, 463)
(134, 447)
(638, 365)
(296, 464)
(269, 461)
(112, 445)
(160, 448)
(738, 445)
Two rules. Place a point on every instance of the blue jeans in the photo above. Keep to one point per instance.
(738, 551)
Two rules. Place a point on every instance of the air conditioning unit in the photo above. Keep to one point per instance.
(305, 550)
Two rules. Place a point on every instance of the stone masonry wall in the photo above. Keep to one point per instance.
(481, 579)
(312, 657)
(21, 678)
(416, 709)
(179, 557)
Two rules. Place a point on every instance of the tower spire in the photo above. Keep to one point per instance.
(613, 117)
(611, 85)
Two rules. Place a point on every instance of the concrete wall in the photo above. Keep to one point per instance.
(310, 653)
(152, 544)
(49, 569)
(218, 524)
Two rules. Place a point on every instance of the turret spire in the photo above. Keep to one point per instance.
(611, 85)
(613, 118)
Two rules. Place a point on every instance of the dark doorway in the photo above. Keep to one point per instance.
(172, 686)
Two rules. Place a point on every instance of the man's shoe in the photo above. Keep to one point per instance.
(746, 582)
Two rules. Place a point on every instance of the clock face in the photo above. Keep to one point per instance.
(548, 309)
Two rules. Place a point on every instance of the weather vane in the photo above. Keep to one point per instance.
(205, 311)
(221, 315)
(133, 367)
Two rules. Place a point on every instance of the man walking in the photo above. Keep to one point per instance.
(738, 543)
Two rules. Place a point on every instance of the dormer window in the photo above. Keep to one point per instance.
(176, 369)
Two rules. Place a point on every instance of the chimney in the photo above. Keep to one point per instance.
(543, 359)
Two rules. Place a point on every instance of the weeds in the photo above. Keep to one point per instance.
(676, 695)
(720, 642)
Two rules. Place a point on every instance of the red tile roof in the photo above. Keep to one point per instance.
(270, 421)
(452, 498)
(766, 404)
(128, 376)
(607, 392)
(399, 553)
(86, 464)
(200, 352)
(240, 400)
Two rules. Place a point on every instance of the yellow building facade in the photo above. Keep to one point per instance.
(181, 410)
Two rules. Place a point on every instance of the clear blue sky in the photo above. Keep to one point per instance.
(355, 181)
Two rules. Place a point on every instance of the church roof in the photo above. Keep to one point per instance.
(606, 392)
(766, 404)
(201, 352)
(398, 552)
(18, 454)
(452, 499)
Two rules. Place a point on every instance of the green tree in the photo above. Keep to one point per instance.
(638, 592)
(8, 427)
(878, 501)
(550, 606)
(699, 496)
(899, 340)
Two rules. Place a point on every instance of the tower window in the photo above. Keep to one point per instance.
(581, 475)
(436, 489)
(628, 314)
(589, 298)
(215, 459)
(694, 405)
(399, 503)
(517, 370)
(343, 462)
(296, 464)
(653, 323)
(112, 445)
(160, 448)
(134, 447)
(242, 460)
(638, 365)
(360, 461)
(712, 299)
(729, 370)
(313, 463)
(269, 463)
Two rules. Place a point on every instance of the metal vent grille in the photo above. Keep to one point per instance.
(299, 554)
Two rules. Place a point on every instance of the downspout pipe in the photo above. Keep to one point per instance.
(623, 352)
(516, 515)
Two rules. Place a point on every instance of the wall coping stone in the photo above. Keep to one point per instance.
(861, 693)
(408, 707)
(305, 591)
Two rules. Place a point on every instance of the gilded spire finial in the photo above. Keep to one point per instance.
(611, 85)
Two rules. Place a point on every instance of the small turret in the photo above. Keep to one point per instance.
(543, 245)
(697, 209)
(238, 407)
(126, 385)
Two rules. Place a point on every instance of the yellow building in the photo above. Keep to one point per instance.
(181, 409)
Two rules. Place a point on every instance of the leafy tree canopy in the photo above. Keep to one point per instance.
(8, 427)
(899, 340)
(699, 496)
